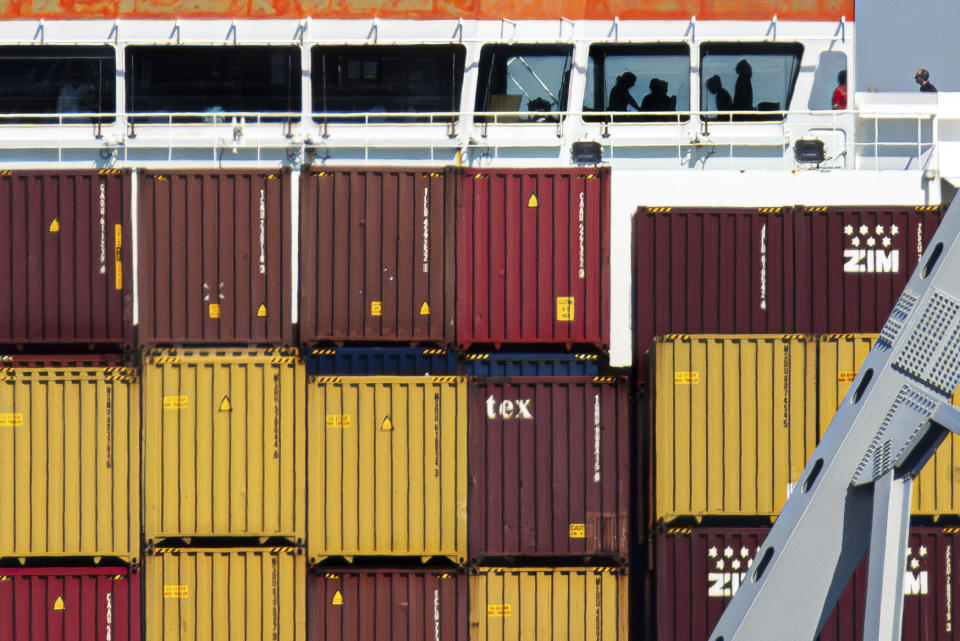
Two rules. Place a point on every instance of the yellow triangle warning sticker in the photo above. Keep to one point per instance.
(425, 309)
(337, 598)
(54, 226)
(225, 405)
(387, 424)
(532, 201)
(262, 311)
(58, 605)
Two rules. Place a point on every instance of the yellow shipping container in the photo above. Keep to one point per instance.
(387, 467)
(225, 594)
(936, 491)
(69, 462)
(543, 604)
(224, 443)
(733, 423)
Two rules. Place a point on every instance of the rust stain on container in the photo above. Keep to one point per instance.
(549, 468)
(70, 462)
(533, 257)
(377, 254)
(215, 257)
(734, 442)
(77, 603)
(224, 443)
(66, 277)
(387, 605)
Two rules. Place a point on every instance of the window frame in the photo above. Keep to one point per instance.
(485, 69)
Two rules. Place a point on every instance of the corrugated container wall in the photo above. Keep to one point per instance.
(225, 594)
(387, 605)
(531, 364)
(215, 257)
(533, 253)
(224, 443)
(69, 462)
(377, 254)
(549, 468)
(72, 603)
(387, 467)
(734, 423)
(380, 361)
(696, 572)
(544, 604)
(67, 273)
(936, 490)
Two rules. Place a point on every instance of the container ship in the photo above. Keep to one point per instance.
(439, 320)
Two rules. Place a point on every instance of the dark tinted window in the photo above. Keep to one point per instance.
(213, 79)
(396, 79)
(53, 79)
(530, 78)
(749, 77)
(660, 75)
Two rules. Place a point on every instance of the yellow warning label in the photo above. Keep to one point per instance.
(532, 201)
(686, 378)
(11, 419)
(578, 530)
(499, 610)
(565, 308)
(338, 421)
(118, 256)
(387, 424)
(214, 310)
(176, 591)
(262, 311)
(175, 402)
(376, 308)
(54, 225)
(337, 598)
(846, 376)
(58, 604)
(225, 405)
(424, 309)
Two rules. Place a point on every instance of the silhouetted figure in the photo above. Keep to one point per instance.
(620, 96)
(657, 99)
(743, 91)
(722, 96)
(923, 79)
(839, 100)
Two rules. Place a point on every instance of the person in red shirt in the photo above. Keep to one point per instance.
(840, 93)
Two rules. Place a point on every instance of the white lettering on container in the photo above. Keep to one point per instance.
(582, 235)
(263, 231)
(871, 261)
(436, 615)
(426, 230)
(103, 228)
(596, 438)
(108, 630)
(518, 408)
(763, 267)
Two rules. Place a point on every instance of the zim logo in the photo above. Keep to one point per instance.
(864, 257)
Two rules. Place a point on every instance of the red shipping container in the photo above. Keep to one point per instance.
(533, 251)
(76, 603)
(695, 573)
(386, 605)
(215, 257)
(377, 255)
(67, 273)
(549, 468)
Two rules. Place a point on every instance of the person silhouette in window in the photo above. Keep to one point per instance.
(743, 91)
(657, 99)
(620, 97)
(722, 96)
(75, 93)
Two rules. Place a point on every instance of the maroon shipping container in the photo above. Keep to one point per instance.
(377, 255)
(80, 604)
(697, 571)
(534, 257)
(386, 605)
(215, 257)
(549, 468)
(66, 274)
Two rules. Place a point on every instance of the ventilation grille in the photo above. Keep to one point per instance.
(897, 317)
(911, 407)
(930, 354)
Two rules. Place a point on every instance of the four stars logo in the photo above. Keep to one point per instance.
(863, 254)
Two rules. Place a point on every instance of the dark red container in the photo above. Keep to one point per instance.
(215, 257)
(377, 255)
(80, 604)
(386, 605)
(696, 572)
(533, 251)
(549, 468)
(66, 276)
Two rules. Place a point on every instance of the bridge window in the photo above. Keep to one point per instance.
(638, 78)
(387, 79)
(749, 78)
(825, 80)
(213, 79)
(524, 78)
(57, 79)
